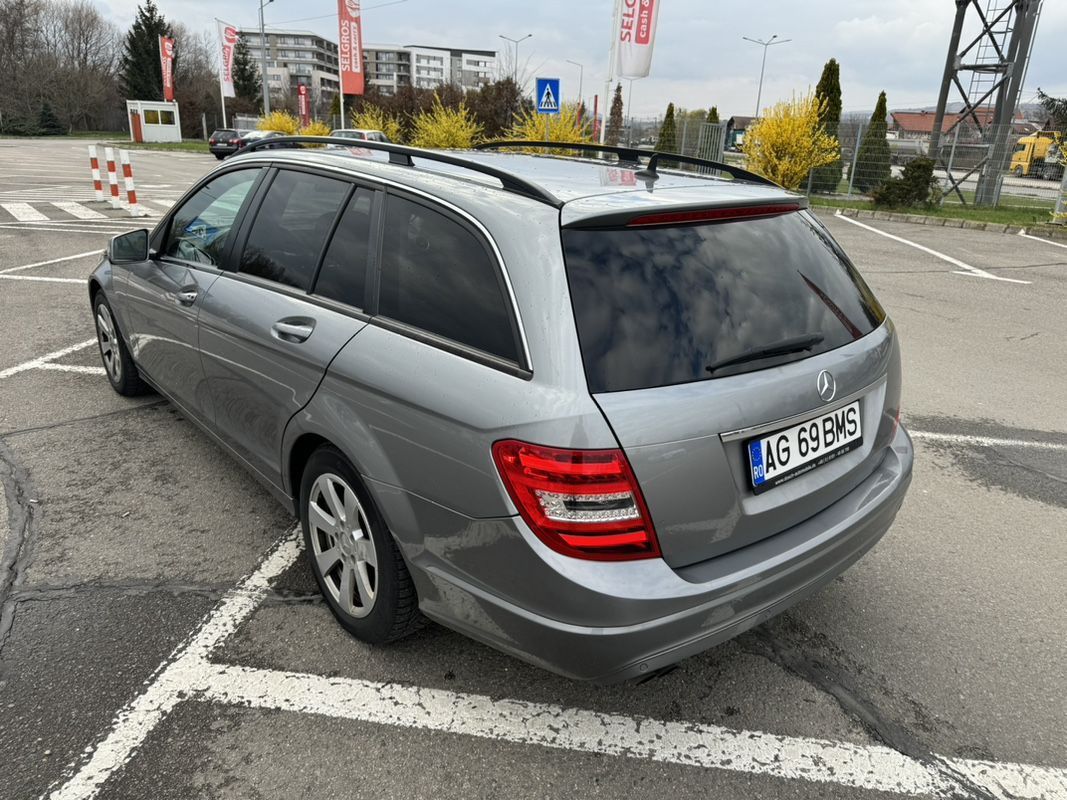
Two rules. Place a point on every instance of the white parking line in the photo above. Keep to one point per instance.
(86, 254)
(188, 674)
(984, 441)
(1025, 235)
(23, 212)
(74, 368)
(137, 719)
(38, 363)
(965, 269)
(78, 210)
(41, 278)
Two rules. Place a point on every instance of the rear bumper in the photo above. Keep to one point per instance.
(709, 602)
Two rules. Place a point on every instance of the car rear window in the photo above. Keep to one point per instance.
(657, 306)
(223, 133)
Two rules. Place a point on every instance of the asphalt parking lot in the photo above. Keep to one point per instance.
(161, 637)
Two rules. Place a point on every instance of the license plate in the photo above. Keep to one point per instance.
(781, 456)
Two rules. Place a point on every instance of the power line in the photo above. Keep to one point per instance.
(334, 15)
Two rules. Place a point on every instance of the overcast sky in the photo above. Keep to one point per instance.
(700, 57)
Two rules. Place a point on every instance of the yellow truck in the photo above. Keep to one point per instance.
(1039, 155)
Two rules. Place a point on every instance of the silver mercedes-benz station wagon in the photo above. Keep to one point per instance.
(596, 413)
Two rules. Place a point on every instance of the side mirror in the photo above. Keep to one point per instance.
(128, 248)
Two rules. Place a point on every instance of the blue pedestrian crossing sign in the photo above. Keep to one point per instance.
(547, 95)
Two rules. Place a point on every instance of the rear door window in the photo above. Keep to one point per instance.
(660, 305)
(200, 229)
(439, 276)
(343, 275)
(291, 228)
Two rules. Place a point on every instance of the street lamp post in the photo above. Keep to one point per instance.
(515, 68)
(263, 45)
(581, 71)
(764, 45)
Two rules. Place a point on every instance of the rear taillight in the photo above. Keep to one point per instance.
(235, 141)
(582, 503)
(211, 141)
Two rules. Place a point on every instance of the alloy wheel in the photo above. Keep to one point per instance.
(109, 344)
(342, 545)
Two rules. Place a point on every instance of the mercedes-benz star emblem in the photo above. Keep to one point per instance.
(826, 386)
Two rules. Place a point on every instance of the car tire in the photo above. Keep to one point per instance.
(121, 372)
(219, 156)
(355, 560)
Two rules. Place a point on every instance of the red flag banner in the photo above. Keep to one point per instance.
(228, 41)
(636, 36)
(350, 49)
(166, 60)
(303, 105)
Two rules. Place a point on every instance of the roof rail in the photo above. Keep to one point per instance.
(402, 155)
(632, 155)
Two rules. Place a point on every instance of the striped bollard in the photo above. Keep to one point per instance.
(112, 178)
(131, 193)
(94, 164)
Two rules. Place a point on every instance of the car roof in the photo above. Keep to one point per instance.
(584, 187)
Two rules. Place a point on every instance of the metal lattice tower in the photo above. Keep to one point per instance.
(996, 60)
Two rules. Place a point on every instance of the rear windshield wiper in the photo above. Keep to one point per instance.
(795, 344)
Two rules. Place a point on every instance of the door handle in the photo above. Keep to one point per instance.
(188, 296)
(292, 331)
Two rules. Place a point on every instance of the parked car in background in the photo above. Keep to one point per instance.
(225, 142)
(256, 136)
(599, 416)
(363, 134)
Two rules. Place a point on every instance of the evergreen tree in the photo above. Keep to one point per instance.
(140, 72)
(246, 81)
(828, 93)
(665, 142)
(713, 115)
(1056, 107)
(614, 132)
(872, 163)
(48, 122)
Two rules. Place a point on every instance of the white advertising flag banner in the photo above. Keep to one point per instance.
(228, 41)
(636, 36)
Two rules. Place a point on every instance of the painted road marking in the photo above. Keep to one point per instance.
(74, 368)
(965, 269)
(23, 212)
(984, 441)
(136, 720)
(78, 210)
(1026, 235)
(37, 363)
(189, 674)
(29, 226)
(41, 278)
(74, 257)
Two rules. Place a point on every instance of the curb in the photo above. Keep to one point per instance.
(940, 222)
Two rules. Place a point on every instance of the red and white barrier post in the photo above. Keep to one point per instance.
(131, 192)
(94, 165)
(112, 178)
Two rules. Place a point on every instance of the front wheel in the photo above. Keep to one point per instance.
(354, 558)
(121, 372)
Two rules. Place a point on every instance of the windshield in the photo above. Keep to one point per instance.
(660, 306)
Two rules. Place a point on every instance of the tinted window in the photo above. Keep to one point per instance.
(224, 133)
(657, 306)
(436, 275)
(200, 229)
(291, 227)
(343, 275)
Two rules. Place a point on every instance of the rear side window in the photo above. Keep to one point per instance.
(200, 229)
(291, 227)
(343, 276)
(659, 306)
(438, 276)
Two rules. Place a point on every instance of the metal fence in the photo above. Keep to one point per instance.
(1029, 176)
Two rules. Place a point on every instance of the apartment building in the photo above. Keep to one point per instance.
(388, 67)
(297, 58)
